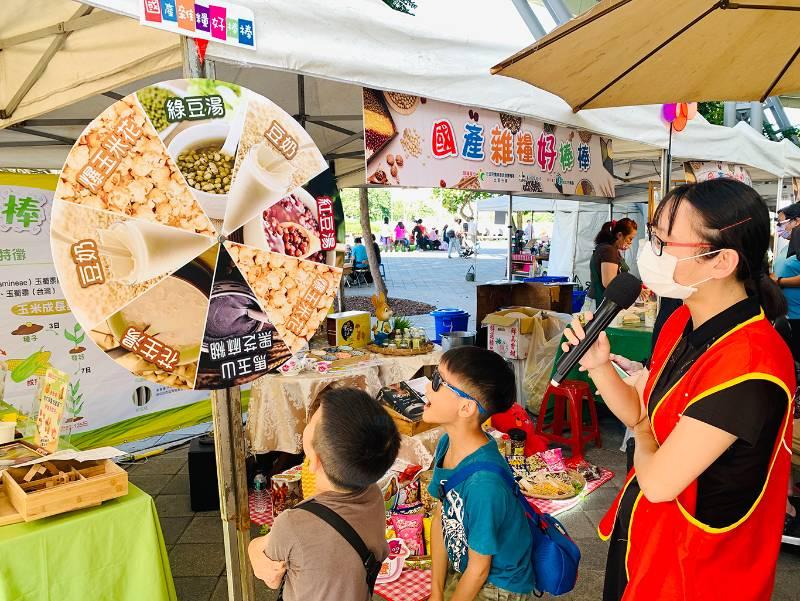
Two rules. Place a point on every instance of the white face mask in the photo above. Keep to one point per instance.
(658, 273)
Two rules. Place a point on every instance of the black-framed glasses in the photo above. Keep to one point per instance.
(437, 381)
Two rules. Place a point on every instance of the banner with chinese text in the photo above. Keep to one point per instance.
(412, 141)
(37, 332)
(703, 171)
(211, 20)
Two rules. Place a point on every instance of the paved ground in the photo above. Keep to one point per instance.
(194, 540)
(433, 278)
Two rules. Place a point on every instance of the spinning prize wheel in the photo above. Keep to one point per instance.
(194, 233)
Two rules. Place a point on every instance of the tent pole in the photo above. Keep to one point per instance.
(666, 168)
(226, 410)
(779, 204)
(510, 236)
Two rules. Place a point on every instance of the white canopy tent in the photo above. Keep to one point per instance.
(443, 52)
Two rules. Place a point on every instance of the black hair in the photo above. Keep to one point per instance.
(356, 440)
(485, 375)
(357, 240)
(400, 224)
(386, 220)
(792, 211)
(733, 216)
(373, 237)
(608, 233)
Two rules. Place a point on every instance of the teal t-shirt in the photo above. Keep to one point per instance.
(786, 268)
(483, 514)
(360, 255)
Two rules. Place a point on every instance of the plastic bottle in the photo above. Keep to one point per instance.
(260, 490)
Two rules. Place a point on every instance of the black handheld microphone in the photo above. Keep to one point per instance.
(621, 293)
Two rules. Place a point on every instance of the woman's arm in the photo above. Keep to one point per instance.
(608, 271)
(664, 472)
(622, 399)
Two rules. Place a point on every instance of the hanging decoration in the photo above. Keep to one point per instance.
(678, 114)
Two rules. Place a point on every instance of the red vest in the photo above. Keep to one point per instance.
(673, 556)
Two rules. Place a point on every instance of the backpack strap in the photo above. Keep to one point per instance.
(461, 475)
(338, 523)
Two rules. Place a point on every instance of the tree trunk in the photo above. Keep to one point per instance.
(366, 232)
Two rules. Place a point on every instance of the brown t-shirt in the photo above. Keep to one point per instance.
(320, 564)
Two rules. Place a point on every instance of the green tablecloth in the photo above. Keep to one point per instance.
(114, 552)
(631, 342)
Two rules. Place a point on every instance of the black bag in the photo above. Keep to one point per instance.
(371, 565)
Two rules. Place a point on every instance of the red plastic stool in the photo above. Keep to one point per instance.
(569, 397)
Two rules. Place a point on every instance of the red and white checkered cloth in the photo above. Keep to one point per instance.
(260, 518)
(413, 585)
(556, 507)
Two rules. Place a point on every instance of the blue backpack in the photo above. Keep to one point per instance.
(555, 555)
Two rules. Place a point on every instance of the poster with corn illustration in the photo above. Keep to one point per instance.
(103, 403)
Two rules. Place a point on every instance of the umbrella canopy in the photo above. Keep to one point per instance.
(633, 52)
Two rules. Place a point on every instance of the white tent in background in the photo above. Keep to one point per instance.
(575, 225)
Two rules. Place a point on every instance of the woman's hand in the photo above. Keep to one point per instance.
(628, 366)
(598, 354)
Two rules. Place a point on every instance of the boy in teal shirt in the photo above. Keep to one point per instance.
(480, 538)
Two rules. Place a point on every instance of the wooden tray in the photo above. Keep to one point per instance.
(575, 476)
(405, 425)
(401, 352)
(67, 485)
(8, 515)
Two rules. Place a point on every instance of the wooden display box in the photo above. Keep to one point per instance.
(55, 487)
(500, 294)
(405, 425)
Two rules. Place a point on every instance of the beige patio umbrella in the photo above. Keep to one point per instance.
(632, 52)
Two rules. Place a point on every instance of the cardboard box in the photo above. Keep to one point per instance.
(510, 336)
(351, 328)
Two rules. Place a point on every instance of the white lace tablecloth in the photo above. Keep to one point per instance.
(279, 405)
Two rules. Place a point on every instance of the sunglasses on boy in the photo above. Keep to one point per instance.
(437, 382)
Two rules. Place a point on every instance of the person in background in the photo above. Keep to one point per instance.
(454, 240)
(420, 236)
(481, 543)
(528, 230)
(350, 442)
(614, 238)
(400, 238)
(386, 235)
(445, 237)
(377, 250)
(712, 420)
(360, 260)
(433, 240)
(786, 272)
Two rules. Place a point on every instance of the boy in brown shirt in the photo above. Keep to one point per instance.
(350, 443)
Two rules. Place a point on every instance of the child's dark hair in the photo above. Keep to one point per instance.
(608, 233)
(733, 216)
(483, 374)
(356, 440)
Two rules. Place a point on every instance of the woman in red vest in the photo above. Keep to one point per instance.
(701, 513)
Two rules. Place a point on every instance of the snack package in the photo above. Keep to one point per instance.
(554, 460)
(409, 508)
(428, 502)
(409, 485)
(410, 528)
(588, 471)
(426, 528)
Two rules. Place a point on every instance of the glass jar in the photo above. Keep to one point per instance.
(517, 442)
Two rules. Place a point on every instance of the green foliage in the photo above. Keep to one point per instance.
(380, 204)
(458, 202)
(75, 399)
(714, 112)
(403, 6)
(400, 323)
(76, 336)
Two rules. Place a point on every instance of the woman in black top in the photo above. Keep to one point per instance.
(614, 238)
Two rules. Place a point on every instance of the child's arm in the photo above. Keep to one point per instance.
(264, 568)
(438, 556)
(474, 577)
